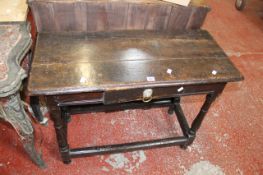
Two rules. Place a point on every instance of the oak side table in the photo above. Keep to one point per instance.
(105, 71)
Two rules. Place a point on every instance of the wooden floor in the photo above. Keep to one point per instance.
(230, 140)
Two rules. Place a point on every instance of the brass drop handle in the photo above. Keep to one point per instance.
(147, 95)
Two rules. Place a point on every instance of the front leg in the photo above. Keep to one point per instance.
(13, 112)
(34, 103)
(190, 132)
(60, 122)
(204, 109)
(210, 98)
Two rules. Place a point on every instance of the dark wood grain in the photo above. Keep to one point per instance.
(104, 15)
(110, 61)
(97, 55)
(123, 96)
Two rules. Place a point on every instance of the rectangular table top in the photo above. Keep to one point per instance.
(71, 63)
(13, 10)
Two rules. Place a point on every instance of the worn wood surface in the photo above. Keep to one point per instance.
(104, 15)
(109, 61)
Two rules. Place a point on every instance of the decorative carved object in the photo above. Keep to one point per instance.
(15, 43)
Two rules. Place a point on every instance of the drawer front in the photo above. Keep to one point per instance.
(147, 94)
(79, 99)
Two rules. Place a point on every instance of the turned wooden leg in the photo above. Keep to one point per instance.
(171, 110)
(60, 127)
(14, 113)
(201, 115)
(190, 132)
(66, 118)
(204, 109)
(34, 103)
(181, 117)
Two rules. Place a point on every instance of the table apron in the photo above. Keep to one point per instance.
(135, 95)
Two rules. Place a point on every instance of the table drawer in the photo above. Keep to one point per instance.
(149, 93)
(79, 99)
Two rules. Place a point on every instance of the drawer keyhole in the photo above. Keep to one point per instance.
(147, 95)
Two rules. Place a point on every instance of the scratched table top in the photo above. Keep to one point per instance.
(71, 63)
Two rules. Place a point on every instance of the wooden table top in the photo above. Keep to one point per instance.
(71, 63)
(13, 10)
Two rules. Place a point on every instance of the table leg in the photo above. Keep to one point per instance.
(200, 117)
(65, 115)
(58, 116)
(14, 113)
(190, 132)
(204, 109)
(34, 103)
(171, 110)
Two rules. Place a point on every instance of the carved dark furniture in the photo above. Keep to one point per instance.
(15, 43)
(122, 70)
(116, 55)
